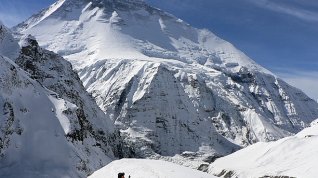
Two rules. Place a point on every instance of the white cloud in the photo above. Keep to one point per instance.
(306, 81)
(299, 13)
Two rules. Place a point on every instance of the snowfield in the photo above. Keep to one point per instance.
(141, 168)
(295, 156)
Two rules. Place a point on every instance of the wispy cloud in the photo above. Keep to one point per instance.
(13, 12)
(298, 12)
(11, 19)
(306, 81)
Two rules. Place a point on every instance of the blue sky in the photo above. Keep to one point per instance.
(281, 35)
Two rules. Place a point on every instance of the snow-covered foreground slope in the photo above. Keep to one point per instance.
(44, 130)
(294, 156)
(141, 168)
(170, 88)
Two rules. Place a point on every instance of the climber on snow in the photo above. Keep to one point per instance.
(122, 175)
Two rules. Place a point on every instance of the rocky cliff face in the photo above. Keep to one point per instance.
(32, 136)
(57, 75)
(170, 88)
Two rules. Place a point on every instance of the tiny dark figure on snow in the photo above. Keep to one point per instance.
(121, 175)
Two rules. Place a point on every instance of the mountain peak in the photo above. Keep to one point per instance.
(99, 1)
(119, 32)
(165, 83)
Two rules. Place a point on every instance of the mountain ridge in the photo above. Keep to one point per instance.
(273, 158)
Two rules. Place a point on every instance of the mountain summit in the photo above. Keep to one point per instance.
(129, 29)
(171, 89)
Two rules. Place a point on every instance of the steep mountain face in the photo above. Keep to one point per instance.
(170, 88)
(46, 128)
(56, 74)
(293, 156)
(32, 141)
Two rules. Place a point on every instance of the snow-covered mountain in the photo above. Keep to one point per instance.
(171, 89)
(294, 156)
(138, 168)
(49, 126)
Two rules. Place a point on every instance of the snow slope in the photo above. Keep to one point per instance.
(294, 156)
(171, 89)
(45, 133)
(139, 168)
(32, 142)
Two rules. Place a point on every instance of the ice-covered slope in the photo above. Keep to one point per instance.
(170, 88)
(45, 133)
(294, 156)
(138, 168)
